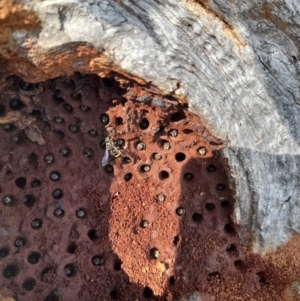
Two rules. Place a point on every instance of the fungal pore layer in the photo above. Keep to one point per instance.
(142, 225)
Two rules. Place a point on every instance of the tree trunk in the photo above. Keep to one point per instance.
(235, 64)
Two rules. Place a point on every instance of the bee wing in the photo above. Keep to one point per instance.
(105, 158)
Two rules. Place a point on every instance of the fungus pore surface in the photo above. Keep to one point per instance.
(79, 222)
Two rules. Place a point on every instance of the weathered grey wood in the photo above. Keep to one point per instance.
(236, 63)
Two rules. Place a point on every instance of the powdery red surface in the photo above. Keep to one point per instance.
(197, 250)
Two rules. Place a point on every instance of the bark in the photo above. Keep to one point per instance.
(235, 63)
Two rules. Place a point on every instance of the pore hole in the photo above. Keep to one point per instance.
(29, 284)
(59, 134)
(16, 104)
(32, 159)
(8, 127)
(107, 82)
(163, 175)
(35, 183)
(2, 110)
(57, 99)
(123, 101)
(17, 138)
(225, 204)
(211, 168)
(213, 275)
(229, 229)
(147, 292)
(117, 264)
(10, 271)
(34, 257)
(46, 272)
(104, 118)
(172, 280)
(240, 265)
(20, 182)
(26, 86)
(75, 96)
(65, 151)
(188, 131)
(197, 217)
(180, 157)
(109, 168)
(144, 124)
(92, 234)
(28, 200)
(220, 187)
(232, 250)
(260, 277)
(57, 193)
(180, 211)
(145, 168)
(188, 176)
(128, 177)
(126, 160)
(52, 297)
(164, 144)
(69, 270)
(113, 294)
(69, 83)
(71, 248)
(36, 223)
(120, 142)
(176, 240)
(177, 116)
(93, 133)
(98, 260)
(68, 108)
(20, 242)
(210, 206)
(156, 156)
(4, 252)
(119, 121)
(84, 108)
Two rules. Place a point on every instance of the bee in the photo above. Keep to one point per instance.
(110, 149)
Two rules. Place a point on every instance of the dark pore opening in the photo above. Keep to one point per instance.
(92, 234)
(163, 175)
(180, 157)
(20, 182)
(197, 217)
(72, 248)
(147, 293)
(178, 116)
